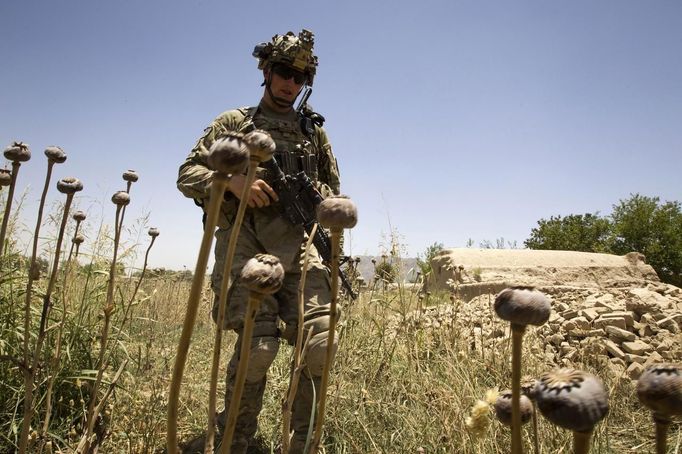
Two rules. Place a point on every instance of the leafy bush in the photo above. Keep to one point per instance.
(424, 263)
(640, 223)
(646, 225)
(576, 232)
(385, 271)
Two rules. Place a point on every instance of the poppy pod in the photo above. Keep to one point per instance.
(79, 216)
(78, 239)
(153, 232)
(263, 274)
(572, 399)
(660, 389)
(120, 198)
(228, 155)
(522, 306)
(503, 408)
(130, 176)
(260, 144)
(5, 177)
(18, 152)
(528, 387)
(337, 213)
(69, 185)
(55, 154)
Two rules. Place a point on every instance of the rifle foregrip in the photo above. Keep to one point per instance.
(298, 200)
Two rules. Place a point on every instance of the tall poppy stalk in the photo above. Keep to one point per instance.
(261, 148)
(227, 156)
(68, 186)
(335, 213)
(262, 275)
(121, 199)
(18, 152)
(79, 217)
(521, 306)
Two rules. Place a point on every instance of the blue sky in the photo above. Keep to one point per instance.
(450, 119)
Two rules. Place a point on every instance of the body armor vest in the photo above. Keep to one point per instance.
(295, 151)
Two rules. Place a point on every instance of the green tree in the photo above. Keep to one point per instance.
(640, 224)
(385, 271)
(499, 243)
(576, 232)
(424, 262)
(646, 225)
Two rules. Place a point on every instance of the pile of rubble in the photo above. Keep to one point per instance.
(634, 327)
(609, 306)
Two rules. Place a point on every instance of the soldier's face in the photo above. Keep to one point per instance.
(285, 88)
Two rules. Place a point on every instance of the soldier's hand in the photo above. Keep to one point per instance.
(261, 194)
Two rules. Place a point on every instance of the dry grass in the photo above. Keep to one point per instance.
(398, 384)
(394, 389)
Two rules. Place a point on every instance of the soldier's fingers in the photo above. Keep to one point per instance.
(264, 198)
(262, 186)
(255, 200)
(259, 198)
(271, 192)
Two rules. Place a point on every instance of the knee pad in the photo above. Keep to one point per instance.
(263, 353)
(317, 353)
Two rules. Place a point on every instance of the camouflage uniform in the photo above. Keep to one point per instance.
(265, 231)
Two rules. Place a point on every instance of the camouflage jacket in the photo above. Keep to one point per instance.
(295, 150)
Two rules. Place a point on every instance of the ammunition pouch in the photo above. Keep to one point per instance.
(292, 163)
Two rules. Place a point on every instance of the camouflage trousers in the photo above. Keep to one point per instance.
(267, 234)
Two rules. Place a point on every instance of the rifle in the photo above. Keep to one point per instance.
(304, 100)
(307, 118)
(298, 200)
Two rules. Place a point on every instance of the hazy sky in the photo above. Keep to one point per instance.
(450, 119)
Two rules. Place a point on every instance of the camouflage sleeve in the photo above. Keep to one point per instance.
(328, 168)
(194, 177)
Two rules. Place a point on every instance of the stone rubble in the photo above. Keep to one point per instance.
(629, 327)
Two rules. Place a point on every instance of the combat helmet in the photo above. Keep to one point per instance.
(291, 50)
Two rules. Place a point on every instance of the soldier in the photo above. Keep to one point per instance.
(288, 66)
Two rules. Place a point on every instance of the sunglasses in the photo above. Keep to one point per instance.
(287, 73)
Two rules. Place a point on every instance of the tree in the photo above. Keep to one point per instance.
(424, 263)
(576, 232)
(646, 225)
(640, 224)
(499, 243)
(385, 271)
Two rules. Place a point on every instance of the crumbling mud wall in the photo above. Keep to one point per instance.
(603, 306)
(477, 271)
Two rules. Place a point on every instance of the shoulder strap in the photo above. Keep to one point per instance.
(247, 125)
(310, 121)
(244, 125)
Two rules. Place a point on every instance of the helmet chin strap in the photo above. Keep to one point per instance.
(279, 101)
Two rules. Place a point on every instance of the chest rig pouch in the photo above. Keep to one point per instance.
(295, 151)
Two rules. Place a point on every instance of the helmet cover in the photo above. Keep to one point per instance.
(290, 50)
